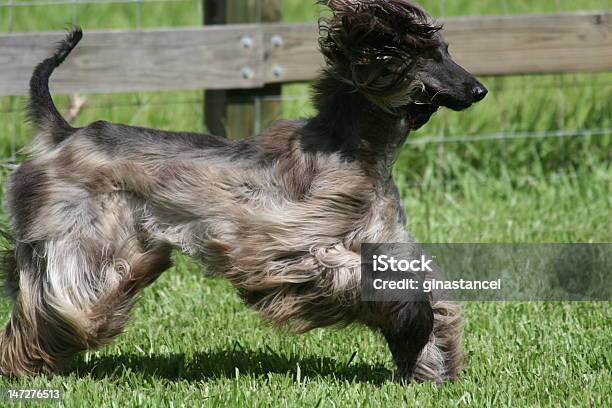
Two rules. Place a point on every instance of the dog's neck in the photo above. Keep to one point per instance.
(349, 124)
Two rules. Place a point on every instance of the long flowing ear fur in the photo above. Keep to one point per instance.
(365, 39)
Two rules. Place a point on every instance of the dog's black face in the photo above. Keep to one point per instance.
(392, 52)
(443, 83)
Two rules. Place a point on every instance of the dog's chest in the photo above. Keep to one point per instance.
(382, 222)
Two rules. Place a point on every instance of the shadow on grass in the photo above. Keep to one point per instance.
(226, 364)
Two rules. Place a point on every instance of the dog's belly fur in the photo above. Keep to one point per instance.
(283, 227)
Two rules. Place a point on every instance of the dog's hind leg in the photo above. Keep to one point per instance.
(75, 293)
(50, 322)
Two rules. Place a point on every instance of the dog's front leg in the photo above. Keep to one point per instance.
(407, 327)
(322, 287)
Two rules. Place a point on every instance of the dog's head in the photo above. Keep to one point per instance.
(392, 52)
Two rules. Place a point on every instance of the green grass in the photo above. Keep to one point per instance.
(192, 343)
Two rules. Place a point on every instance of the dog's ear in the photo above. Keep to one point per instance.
(398, 21)
(371, 44)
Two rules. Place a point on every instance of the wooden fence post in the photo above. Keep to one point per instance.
(239, 113)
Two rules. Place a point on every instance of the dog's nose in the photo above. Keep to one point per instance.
(479, 92)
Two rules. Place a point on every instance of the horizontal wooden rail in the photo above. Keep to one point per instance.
(493, 45)
(250, 56)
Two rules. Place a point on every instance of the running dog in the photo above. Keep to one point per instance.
(96, 211)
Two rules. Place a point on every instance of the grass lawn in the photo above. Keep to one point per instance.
(193, 343)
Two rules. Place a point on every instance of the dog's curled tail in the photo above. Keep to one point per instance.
(41, 110)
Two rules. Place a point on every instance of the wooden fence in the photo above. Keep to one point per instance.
(251, 56)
